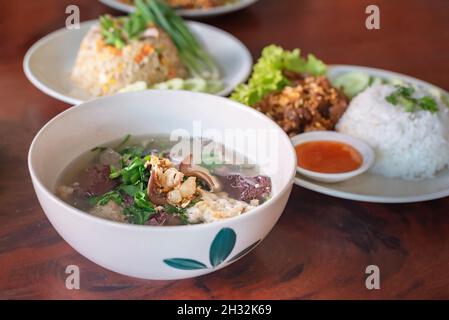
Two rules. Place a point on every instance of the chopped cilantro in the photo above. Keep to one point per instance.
(111, 195)
(138, 215)
(132, 174)
(141, 201)
(181, 213)
(404, 96)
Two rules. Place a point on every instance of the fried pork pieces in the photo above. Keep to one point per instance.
(308, 104)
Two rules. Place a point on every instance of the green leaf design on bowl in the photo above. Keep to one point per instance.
(244, 251)
(222, 246)
(185, 264)
(220, 249)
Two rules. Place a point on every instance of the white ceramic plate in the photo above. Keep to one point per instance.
(48, 63)
(190, 13)
(374, 188)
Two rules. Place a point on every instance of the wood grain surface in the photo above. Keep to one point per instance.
(321, 245)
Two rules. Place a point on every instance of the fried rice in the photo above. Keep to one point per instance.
(102, 69)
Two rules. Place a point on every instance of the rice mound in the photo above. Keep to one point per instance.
(102, 69)
(411, 146)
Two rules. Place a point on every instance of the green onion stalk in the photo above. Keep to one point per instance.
(192, 54)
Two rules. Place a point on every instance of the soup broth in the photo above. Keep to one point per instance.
(141, 180)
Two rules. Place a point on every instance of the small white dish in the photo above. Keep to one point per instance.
(49, 62)
(364, 149)
(190, 13)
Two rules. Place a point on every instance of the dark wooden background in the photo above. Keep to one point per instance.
(321, 245)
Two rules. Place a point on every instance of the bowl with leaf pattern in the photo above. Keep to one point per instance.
(158, 252)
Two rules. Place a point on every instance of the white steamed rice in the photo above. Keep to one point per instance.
(408, 145)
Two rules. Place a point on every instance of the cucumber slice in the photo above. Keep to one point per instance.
(176, 84)
(196, 84)
(173, 84)
(397, 82)
(192, 84)
(445, 99)
(435, 92)
(352, 83)
(136, 86)
(375, 80)
(214, 86)
(162, 86)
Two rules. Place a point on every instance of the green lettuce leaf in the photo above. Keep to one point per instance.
(268, 74)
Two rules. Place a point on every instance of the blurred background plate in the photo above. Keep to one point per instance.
(190, 13)
(49, 62)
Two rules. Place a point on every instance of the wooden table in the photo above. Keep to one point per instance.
(321, 245)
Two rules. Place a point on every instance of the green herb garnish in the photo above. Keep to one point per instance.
(428, 103)
(118, 32)
(132, 174)
(134, 26)
(132, 152)
(191, 52)
(130, 189)
(138, 215)
(142, 209)
(181, 213)
(141, 201)
(112, 32)
(111, 195)
(404, 96)
(132, 194)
